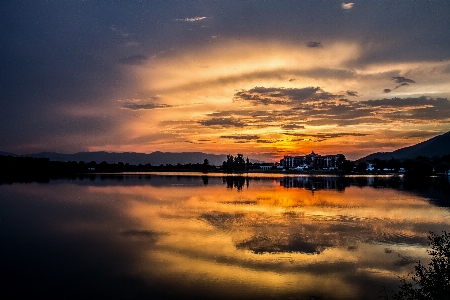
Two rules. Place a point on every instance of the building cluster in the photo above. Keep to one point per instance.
(312, 161)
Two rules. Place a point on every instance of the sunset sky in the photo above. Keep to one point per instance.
(263, 78)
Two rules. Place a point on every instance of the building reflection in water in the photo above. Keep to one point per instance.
(340, 183)
(315, 183)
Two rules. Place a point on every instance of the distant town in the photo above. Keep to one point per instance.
(24, 168)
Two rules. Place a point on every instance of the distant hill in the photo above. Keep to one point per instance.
(439, 145)
(154, 158)
(3, 153)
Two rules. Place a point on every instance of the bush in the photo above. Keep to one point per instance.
(432, 281)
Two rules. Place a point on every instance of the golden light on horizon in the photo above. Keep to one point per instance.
(267, 98)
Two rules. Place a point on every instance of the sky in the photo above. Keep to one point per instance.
(262, 78)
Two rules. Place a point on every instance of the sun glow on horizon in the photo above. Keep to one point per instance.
(270, 99)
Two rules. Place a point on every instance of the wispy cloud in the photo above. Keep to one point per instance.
(400, 79)
(328, 135)
(195, 19)
(135, 59)
(402, 82)
(292, 126)
(314, 45)
(347, 6)
(241, 137)
(352, 93)
(222, 122)
(139, 104)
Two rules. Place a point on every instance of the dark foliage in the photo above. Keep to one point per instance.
(432, 281)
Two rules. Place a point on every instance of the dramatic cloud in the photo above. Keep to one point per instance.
(266, 96)
(247, 72)
(313, 106)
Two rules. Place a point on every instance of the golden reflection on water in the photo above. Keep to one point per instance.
(267, 239)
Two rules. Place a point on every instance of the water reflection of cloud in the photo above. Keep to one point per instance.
(211, 234)
(271, 244)
(223, 220)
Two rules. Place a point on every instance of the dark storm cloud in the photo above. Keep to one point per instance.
(222, 122)
(314, 45)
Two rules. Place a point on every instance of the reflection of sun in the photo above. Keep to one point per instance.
(211, 234)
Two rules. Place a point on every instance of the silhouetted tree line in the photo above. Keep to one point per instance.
(237, 182)
(237, 163)
(421, 166)
(30, 168)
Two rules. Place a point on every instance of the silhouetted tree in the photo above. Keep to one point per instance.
(239, 162)
(432, 282)
(228, 164)
(361, 167)
(205, 166)
(340, 159)
(394, 164)
(442, 167)
(346, 166)
(418, 167)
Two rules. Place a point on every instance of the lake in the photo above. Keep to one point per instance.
(191, 236)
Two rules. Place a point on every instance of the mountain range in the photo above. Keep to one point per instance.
(436, 146)
(133, 158)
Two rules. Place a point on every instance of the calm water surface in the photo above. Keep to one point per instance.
(156, 236)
